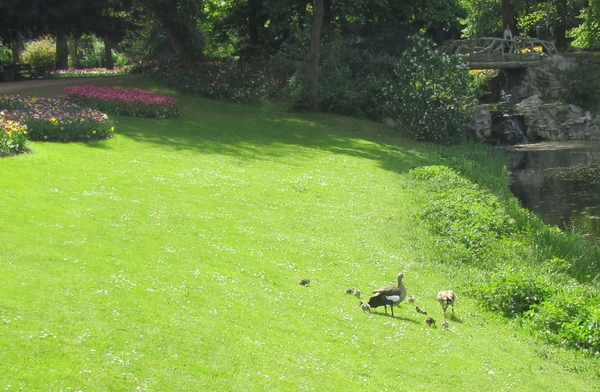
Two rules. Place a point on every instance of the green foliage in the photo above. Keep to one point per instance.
(587, 35)
(429, 97)
(581, 84)
(461, 212)
(483, 18)
(235, 81)
(519, 267)
(512, 293)
(41, 54)
(571, 316)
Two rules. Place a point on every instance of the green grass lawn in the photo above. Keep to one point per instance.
(168, 259)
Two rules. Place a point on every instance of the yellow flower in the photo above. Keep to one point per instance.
(94, 132)
(112, 129)
(54, 120)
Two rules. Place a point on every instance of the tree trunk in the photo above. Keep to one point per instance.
(15, 46)
(62, 52)
(108, 57)
(560, 27)
(508, 16)
(315, 43)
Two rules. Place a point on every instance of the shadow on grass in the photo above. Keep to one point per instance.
(248, 132)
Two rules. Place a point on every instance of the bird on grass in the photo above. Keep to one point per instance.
(420, 310)
(355, 292)
(411, 299)
(389, 295)
(365, 307)
(446, 298)
(430, 321)
(304, 282)
(445, 324)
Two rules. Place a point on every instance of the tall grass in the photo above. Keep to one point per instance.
(168, 258)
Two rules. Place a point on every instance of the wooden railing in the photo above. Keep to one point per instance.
(491, 45)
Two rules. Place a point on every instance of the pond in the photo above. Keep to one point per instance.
(559, 181)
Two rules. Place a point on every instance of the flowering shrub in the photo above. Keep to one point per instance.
(56, 119)
(429, 97)
(126, 102)
(13, 136)
(226, 80)
(86, 73)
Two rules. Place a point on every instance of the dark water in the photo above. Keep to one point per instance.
(560, 181)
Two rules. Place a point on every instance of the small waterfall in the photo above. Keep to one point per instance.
(508, 129)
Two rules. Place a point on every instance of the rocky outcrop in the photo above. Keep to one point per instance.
(552, 122)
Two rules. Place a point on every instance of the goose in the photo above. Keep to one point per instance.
(446, 298)
(430, 321)
(420, 310)
(411, 299)
(356, 293)
(445, 324)
(304, 282)
(390, 295)
(365, 307)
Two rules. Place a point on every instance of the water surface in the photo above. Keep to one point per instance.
(560, 181)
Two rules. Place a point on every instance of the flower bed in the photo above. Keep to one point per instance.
(56, 119)
(86, 73)
(126, 102)
(13, 136)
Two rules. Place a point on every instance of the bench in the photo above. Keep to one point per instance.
(23, 70)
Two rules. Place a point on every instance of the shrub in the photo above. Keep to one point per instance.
(582, 84)
(571, 316)
(126, 102)
(227, 80)
(41, 54)
(56, 120)
(13, 136)
(429, 96)
(512, 293)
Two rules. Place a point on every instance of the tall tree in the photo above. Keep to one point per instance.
(315, 43)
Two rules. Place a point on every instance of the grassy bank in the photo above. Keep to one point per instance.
(168, 258)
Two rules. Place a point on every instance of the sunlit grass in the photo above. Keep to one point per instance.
(168, 258)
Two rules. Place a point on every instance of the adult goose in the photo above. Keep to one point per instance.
(390, 295)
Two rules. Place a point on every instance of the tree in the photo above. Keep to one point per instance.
(315, 42)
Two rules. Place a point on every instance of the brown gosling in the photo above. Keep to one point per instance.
(446, 298)
(411, 299)
(349, 290)
(420, 310)
(430, 321)
(304, 282)
(365, 307)
(445, 324)
(356, 292)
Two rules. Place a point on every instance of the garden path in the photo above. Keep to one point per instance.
(9, 87)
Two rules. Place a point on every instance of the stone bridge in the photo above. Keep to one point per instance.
(499, 53)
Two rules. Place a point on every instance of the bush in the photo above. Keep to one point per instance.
(41, 54)
(571, 316)
(429, 97)
(512, 293)
(126, 102)
(13, 136)
(582, 84)
(56, 120)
